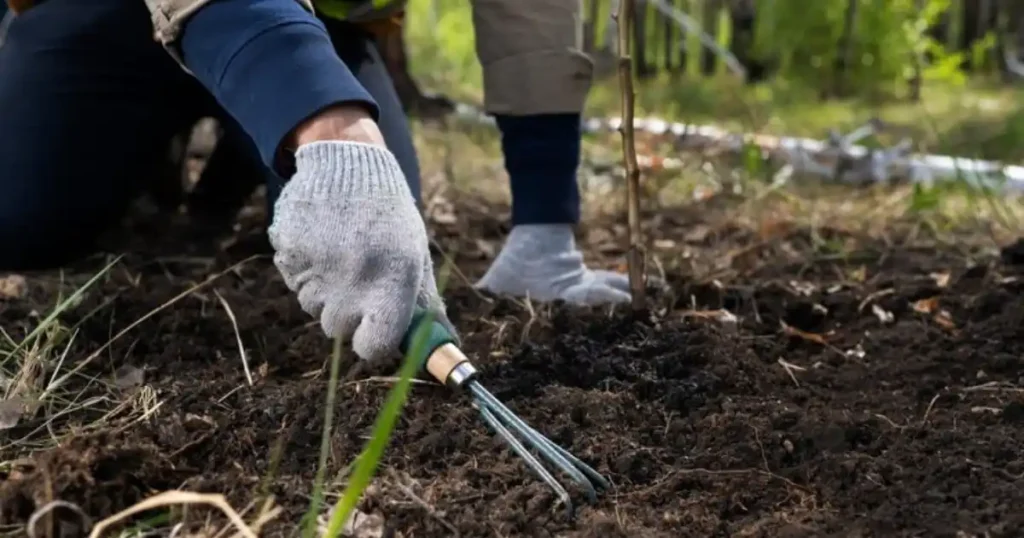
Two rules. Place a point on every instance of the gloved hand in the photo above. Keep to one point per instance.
(350, 241)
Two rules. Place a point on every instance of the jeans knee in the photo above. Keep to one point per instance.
(51, 215)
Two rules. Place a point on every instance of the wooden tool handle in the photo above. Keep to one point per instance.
(443, 363)
(435, 348)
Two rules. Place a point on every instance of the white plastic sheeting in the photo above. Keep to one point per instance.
(836, 158)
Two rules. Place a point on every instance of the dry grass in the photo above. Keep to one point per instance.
(703, 184)
(41, 382)
(38, 378)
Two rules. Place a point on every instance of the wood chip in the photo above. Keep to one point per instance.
(803, 335)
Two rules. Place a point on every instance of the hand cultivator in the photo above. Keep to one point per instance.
(446, 363)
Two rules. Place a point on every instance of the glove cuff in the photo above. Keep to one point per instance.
(335, 169)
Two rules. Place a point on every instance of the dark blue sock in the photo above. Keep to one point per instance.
(542, 153)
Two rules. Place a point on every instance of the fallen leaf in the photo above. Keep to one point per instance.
(941, 317)
(926, 306)
(804, 335)
(13, 287)
(859, 274)
(941, 279)
(774, 228)
(944, 320)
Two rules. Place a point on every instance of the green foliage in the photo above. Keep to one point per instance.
(888, 44)
(442, 45)
(924, 199)
(887, 41)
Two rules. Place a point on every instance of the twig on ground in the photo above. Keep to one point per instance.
(422, 503)
(47, 509)
(995, 386)
(789, 368)
(387, 380)
(719, 472)
(931, 404)
(529, 323)
(238, 336)
(874, 296)
(92, 356)
(268, 512)
(168, 498)
(624, 21)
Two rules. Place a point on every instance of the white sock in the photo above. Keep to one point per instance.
(542, 262)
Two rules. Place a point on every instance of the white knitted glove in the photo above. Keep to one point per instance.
(350, 241)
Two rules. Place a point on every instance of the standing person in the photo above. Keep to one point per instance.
(347, 235)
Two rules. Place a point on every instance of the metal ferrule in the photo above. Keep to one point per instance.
(460, 374)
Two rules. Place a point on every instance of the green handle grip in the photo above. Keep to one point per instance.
(437, 336)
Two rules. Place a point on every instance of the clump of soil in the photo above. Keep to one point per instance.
(791, 400)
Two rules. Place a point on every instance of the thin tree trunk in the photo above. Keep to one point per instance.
(845, 55)
(636, 254)
(643, 67)
(709, 21)
(669, 45)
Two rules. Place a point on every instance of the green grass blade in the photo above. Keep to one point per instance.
(365, 465)
(382, 430)
(383, 427)
(309, 520)
(61, 307)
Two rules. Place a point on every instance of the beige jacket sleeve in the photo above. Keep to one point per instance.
(169, 17)
(531, 52)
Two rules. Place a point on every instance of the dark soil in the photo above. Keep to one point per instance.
(832, 407)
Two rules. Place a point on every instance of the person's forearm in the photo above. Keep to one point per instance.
(271, 65)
